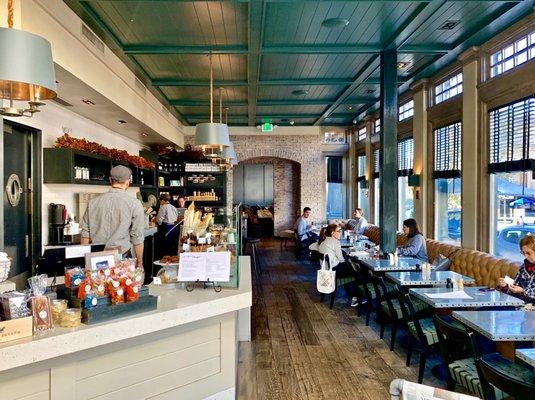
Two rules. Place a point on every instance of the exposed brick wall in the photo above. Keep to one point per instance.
(305, 150)
(286, 190)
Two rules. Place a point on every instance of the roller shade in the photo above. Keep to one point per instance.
(448, 151)
(512, 137)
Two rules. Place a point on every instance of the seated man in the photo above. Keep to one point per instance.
(358, 224)
(302, 227)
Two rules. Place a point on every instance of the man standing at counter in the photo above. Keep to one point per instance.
(116, 218)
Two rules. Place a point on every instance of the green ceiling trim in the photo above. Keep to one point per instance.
(496, 22)
(255, 29)
(368, 68)
(193, 103)
(102, 25)
(183, 82)
(184, 49)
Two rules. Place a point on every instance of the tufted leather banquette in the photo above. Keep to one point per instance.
(483, 267)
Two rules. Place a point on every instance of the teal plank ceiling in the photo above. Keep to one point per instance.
(263, 51)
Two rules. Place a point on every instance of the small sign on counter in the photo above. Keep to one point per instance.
(205, 266)
(77, 251)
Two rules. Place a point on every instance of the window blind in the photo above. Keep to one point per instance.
(512, 137)
(448, 151)
(361, 164)
(376, 162)
(334, 169)
(405, 157)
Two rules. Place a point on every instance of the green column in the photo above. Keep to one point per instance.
(389, 147)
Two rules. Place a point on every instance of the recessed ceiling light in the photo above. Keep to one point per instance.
(403, 64)
(370, 91)
(144, 134)
(292, 122)
(88, 102)
(131, 19)
(449, 25)
(122, 121)
(335, 22)
(300, 92)
(354, 121)
(349, 107)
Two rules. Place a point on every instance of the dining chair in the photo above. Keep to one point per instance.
(421, 330)
(496, 371)
(458, 349)
(388, 308)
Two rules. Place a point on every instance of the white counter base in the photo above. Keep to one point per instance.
(188, 352)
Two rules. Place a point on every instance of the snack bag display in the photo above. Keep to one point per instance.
(73, 277)
(42, 316)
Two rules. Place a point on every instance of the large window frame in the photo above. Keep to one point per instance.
(362, 185)
(512, 55)
(449, 88)
(406, 110)
(405, 169)
(447, 183)
(511, 155)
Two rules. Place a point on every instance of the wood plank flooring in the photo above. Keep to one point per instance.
(303, 350)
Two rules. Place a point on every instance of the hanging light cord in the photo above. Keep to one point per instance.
(10, 13)
(211, 91)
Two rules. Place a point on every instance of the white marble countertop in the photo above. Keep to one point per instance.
(175, 307)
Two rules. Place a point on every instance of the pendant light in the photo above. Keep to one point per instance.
(26, 69)
(227, 157)
(212, 137)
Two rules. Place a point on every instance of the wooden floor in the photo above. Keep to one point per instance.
(303, 350)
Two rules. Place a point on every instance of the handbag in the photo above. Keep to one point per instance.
(326, 278)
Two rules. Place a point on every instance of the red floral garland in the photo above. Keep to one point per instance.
(69, 142)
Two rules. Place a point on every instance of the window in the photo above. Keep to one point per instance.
(513, 55)
(361, 134)
(376, 183)
(451, 87)
(334, 188)
(406, 110)
(335, 137)
(512, 189)
(377, 126)
(362, 190)
(447, 179)
(405, 193)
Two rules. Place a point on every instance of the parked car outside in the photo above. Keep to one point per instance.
(508, 239)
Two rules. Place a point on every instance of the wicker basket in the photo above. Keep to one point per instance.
(5, 266)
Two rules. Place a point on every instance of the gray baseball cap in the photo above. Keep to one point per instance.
(120, 173)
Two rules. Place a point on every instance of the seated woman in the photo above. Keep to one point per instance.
(415, 246)
(524, 283)
(330, 245)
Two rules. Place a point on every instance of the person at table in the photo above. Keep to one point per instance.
(358, 224)
(302, 227)
(330, 245)
(181, 209)
(115, 218)
(524, 283)
(415, 246)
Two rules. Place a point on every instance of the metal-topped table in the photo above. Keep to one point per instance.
(382, 265)
(419, 278)
(500, 326)
(526, 355)
(477, 298)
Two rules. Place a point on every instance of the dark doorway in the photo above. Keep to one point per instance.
(22, 205)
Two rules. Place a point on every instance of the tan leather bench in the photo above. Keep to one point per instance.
(483, 267)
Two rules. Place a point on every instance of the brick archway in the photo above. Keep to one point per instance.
(248, 154)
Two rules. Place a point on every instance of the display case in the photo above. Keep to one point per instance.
(210, 233)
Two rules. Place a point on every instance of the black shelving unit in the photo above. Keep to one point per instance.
(60, 167)
(169, 170)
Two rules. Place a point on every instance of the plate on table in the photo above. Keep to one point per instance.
(165, 264)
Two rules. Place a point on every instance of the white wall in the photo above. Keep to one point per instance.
(51, 121)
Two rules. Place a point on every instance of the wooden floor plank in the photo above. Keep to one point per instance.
(303, 350)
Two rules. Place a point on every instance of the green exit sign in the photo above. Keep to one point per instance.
(267, 127)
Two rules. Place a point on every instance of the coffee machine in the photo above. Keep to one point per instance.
(57, 221)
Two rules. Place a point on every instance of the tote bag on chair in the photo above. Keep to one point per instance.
(326, 277)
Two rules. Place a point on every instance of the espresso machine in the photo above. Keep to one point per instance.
(57, 221)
